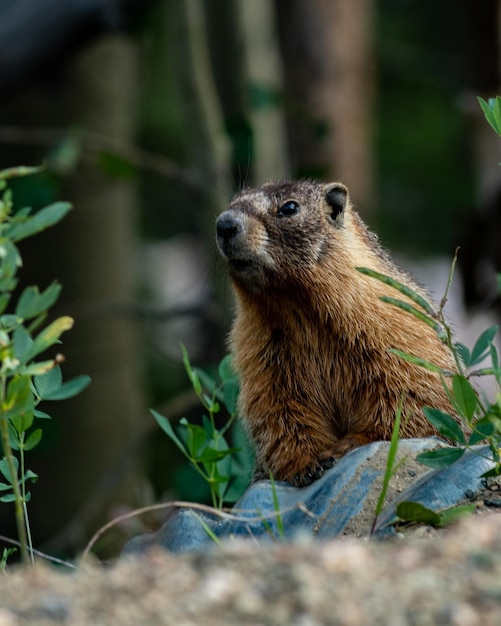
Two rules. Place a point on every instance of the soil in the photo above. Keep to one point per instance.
(408, 471)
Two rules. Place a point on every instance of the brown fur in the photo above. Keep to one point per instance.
(311, 337)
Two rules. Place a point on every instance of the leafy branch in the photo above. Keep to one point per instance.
(206, 446)
(24, 381)
(482, 418)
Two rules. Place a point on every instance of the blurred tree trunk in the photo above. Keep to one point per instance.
(483, 27)
(182, 119)
(480, 255)
(263, 69)
(226, 36)
(205, 136)
(247, 69)
(329, 74)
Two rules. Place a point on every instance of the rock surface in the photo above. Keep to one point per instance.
(342, 502)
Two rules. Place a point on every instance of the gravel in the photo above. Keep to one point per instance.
(447, 577)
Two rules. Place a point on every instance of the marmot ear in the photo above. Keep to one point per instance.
(336, 198)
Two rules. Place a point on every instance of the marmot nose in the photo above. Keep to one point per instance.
(227, 226)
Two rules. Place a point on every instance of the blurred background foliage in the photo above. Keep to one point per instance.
(148, 115)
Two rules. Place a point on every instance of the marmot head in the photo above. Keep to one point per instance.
(272, 233)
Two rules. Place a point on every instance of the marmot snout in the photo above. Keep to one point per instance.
(311, 338)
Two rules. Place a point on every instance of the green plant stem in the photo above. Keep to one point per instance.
(23, 498)
(449, 283)
(28, 533)
(18, 502)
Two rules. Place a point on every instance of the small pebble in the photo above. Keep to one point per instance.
(493, 502)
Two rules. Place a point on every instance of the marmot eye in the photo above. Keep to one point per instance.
(288, 209)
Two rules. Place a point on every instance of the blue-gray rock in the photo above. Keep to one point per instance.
(341, 502)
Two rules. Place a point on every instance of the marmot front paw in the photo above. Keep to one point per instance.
(313, 472)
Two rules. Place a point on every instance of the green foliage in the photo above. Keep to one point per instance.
(414, 512)
(479, 417)
(206, 446)
(391, 468)
(276, 508)
(24, 382)
(492, 112)
(6, 553)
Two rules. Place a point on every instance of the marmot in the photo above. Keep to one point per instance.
(311, 338)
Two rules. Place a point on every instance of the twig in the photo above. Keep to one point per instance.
(96, 142)
(180, 504)
(47, 557)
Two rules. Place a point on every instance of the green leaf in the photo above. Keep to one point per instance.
(442, 457)
(19, 398)
(22, 343)
(403, 289)
(495, 104)
(5, 469)
(29, 475)
(492, 473)
(37, 369)
(192, 374)
(10, 497)
(489, 113)
(408, 308)
(4, 301)
(205, 381)
(494, 356)
(230, 395)
(21, 170)
(209, 428)
(10, 260)
(195, 437)
(463, 352)
(225, 369)
(36, 322)
(22, 422)
(486, 371)
(416, 512)
(445, 424)
(41, 415)
(45, 218)
(482, 429)
(9, 322)
(455, 513)
(165, 425)
(419, 361)
(236, 487)
(49, 383)
(481, 348)
(13, 437)
(33, 439)
(230, 384)
(390, 460)
(50, 335)
(31, 302)
(209, 455)
(464, 396)
(70, 388)
(210, 403)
